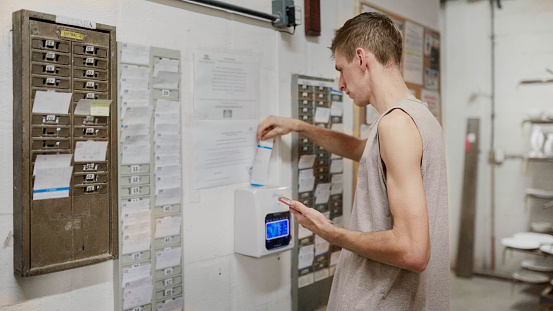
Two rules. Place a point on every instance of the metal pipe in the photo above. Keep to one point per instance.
(234, 8)
(492, 136)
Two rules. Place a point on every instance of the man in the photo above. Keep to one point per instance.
(395, 252)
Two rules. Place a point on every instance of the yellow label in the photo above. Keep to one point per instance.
(100, 107)
(72, 35)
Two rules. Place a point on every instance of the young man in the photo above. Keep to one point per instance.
(395, 253)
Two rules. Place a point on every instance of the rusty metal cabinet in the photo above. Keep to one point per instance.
(62, 55)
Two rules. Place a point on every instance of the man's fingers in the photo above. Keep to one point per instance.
(298, 206)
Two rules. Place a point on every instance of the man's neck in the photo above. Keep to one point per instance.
(389, 90)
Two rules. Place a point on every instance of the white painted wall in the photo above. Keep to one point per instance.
(524, 48)
(214, 277)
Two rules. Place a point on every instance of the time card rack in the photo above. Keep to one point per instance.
(65, 157)
(318, 183)
(150, 274)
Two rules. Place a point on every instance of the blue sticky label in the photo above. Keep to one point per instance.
(51, 190)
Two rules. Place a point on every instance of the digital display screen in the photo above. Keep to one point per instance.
(276, 229)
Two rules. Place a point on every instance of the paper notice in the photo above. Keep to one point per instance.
(168, 226)
(322, 193)
(90, 150)
(165, 64)
(168, 258)
(322, 115)
(135, 53)
(306, 161)
(306, 180)
(51, 102)
(51, 183)
(52, 161)
(305, 256)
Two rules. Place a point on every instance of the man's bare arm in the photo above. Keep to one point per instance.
(335, 142)
(407, 244)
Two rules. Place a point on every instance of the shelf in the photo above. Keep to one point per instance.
(540, 194)
(538, 121)
(538, 158)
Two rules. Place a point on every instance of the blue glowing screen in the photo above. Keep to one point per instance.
(276, 229)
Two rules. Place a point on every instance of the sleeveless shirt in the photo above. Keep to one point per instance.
(363, 284)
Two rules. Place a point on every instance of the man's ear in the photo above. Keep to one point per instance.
(361, 58)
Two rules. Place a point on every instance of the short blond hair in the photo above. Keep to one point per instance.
(373, 31)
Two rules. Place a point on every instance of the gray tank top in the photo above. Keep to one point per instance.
(364, 284)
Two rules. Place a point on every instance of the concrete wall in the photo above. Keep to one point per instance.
(214, 277)
(523, 50)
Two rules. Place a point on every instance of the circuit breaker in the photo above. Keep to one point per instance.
(65, 150)
(317, 183)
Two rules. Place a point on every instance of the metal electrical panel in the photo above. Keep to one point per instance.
(74, 225)
(317, 183)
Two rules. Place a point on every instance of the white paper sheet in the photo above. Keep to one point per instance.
(135, 206)
(413, 54)
(51, 183)
(167, 138)
(174, 305)
(135, 154)
(136, 242)
(136, 217)
(131, 274)
(322, 115)
(306, 161)
(166, 118)
(306, 180)
(337, 109)
(131, 227)
(303, 232)
(167, 80)
(168, 258)
(167, 128)
(305, 256)
(168, 170)
(52, 161)
(141, 139)
(135, 95)
(135, 129)
(336, 166)
(322, 193)
(338, 127)
(223, 152)
(137, 295)
(168, 181)
(166, 160)
(262, 159)
(168, 226)
(136, 115)
(135, 71)
(135, 53)
(133, 83)
(165, 64)
(168, 196)
(321, 246)
(225, 86)
(167, 106)
(51, 102)
(336, 188)
(90, 151)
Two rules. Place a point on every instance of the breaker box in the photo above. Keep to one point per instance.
(65, 143)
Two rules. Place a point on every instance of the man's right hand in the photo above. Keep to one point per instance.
(273, 126)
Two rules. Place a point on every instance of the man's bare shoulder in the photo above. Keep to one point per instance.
(398, 133)
(397, 121)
